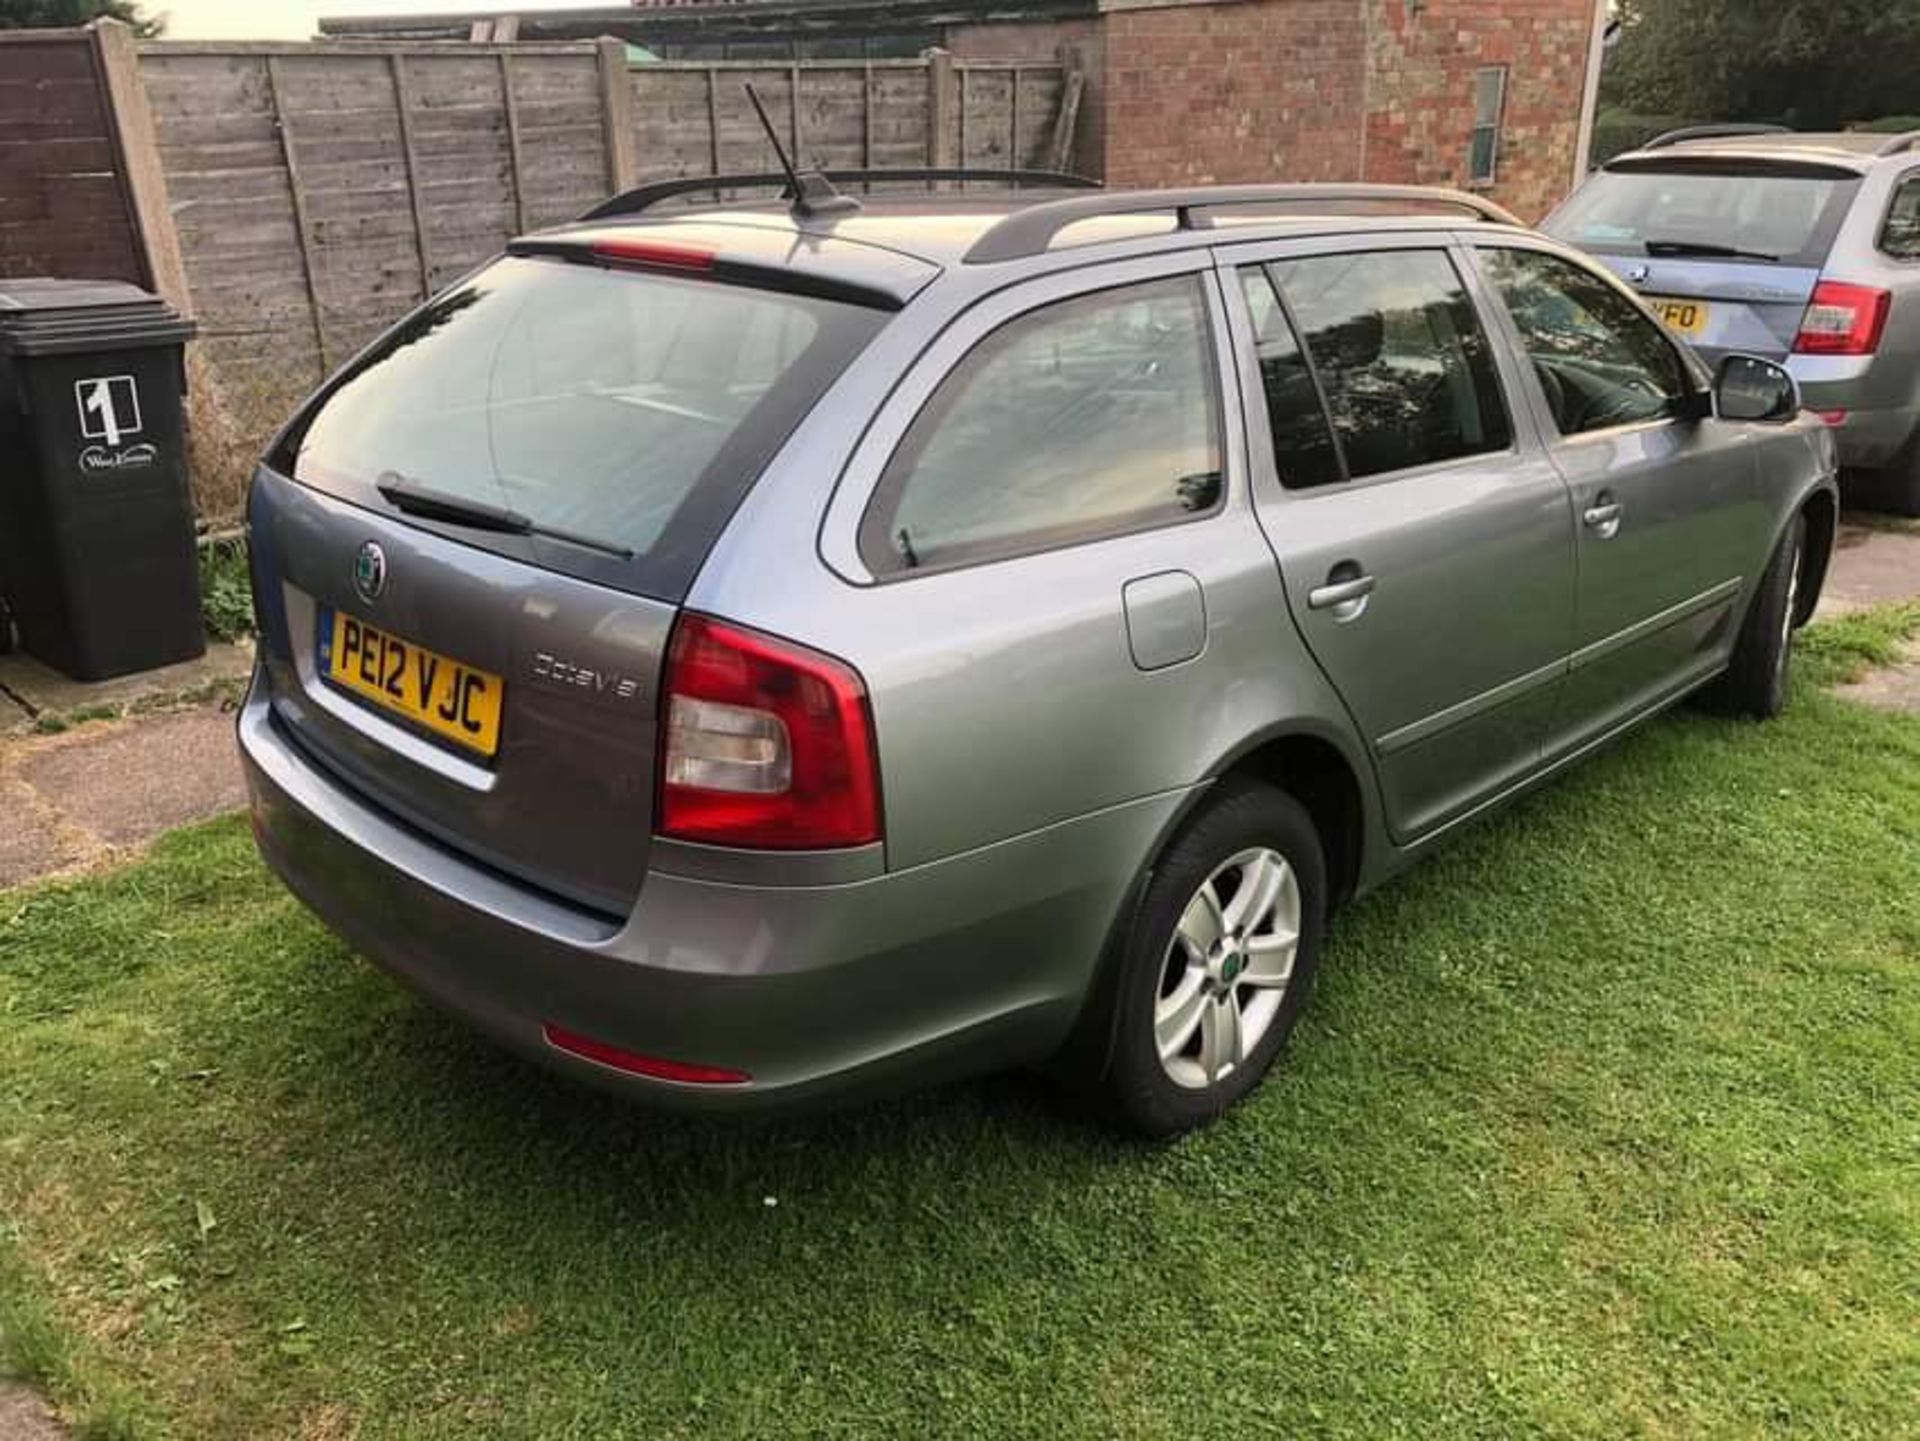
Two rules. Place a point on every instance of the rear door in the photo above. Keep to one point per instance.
(486, 666)
(1425, 542)
(1667, 498)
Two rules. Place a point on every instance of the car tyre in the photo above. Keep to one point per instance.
(1219, 960)
(1755, 683)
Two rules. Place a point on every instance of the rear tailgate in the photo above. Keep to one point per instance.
(470, 549)
(565, 801)
(1724, 305)
(1727, 247)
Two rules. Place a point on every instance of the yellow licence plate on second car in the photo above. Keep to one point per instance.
(452, 700)
(1686, 317)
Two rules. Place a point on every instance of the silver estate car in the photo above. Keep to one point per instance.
(749, 653)
(1801, 248)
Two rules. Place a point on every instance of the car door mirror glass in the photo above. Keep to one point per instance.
(1749, 388)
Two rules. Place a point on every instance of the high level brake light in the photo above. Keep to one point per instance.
(766, 744)
(1843, 319)
(653, 254)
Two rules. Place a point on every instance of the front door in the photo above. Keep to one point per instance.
(1665, 495)
(1426, 548)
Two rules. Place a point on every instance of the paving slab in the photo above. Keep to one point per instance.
(24, 1416)
(1894, 687)
(29, 689)
(1872, 565)
(36, 840)
(126, 782)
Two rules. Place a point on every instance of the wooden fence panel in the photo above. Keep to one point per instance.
(321, 191)
(695, 119)
(63, 201)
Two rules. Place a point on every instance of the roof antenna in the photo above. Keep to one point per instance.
(812, 193)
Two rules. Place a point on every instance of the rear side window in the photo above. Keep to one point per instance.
(1408, 374)
(626, 408)
(1900, 236)
(1093, 417)
(1730, 212)
(1600, 361)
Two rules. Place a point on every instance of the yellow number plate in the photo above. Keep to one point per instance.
(448, 698)
(1686, 317)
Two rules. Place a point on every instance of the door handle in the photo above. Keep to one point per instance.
(1345, 593)
(1603, 516)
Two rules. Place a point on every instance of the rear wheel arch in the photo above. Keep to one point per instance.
(1318, 774)
(1325, 782)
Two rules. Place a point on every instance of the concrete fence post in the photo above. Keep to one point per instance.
(943, 109)
(145, 182)
(616, 100)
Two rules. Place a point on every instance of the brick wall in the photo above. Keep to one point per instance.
(1220, 92)
(1420, 63)
(1078, 43)
(1242, 90)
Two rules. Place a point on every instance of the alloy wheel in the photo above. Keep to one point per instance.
(1227, 968)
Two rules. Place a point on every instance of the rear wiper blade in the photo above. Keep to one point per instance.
(1704, 247)
(430, 504)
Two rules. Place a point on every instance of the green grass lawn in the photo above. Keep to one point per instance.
(1604, 1123)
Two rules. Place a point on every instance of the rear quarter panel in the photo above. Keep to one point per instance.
(1005, 695)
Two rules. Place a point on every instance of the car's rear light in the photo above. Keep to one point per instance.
(653, 254)
(765, 743)
(660, 1069)
(1843, 319)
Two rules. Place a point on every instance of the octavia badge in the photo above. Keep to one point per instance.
(370, 571)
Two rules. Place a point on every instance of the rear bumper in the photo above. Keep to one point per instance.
(1874, 432)
(974, 963)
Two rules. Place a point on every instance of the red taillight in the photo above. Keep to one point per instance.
(633, 1063)
(1843, 319)
(765, 743)
(653, 253)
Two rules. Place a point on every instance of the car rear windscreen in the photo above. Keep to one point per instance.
(1785, 216)
(629, 410)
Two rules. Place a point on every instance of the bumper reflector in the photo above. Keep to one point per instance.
(634, 1064)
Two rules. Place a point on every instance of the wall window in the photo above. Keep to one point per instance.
(1600, 361)
(1406, 369)
(1489, 105)
(1304, 452)
(1900, 236)
(1092, 417)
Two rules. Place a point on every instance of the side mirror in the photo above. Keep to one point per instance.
(1749, 388)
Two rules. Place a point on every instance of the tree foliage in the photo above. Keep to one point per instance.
(42, 14)
(1813, 64)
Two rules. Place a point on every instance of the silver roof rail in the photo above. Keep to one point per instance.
(1900, 144)
(1713, 132)
(1031, 231)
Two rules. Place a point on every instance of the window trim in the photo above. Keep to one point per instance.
(1692, 368)
(885, 569)
(1265, 267)
(1498, 340)
(1900, 182)
(1496, 126)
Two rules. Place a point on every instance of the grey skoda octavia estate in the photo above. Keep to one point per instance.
(747, 652)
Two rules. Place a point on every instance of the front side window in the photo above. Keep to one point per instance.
(1900, 236)
(1600, 361)
(1408, 373)
(1092, 417)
